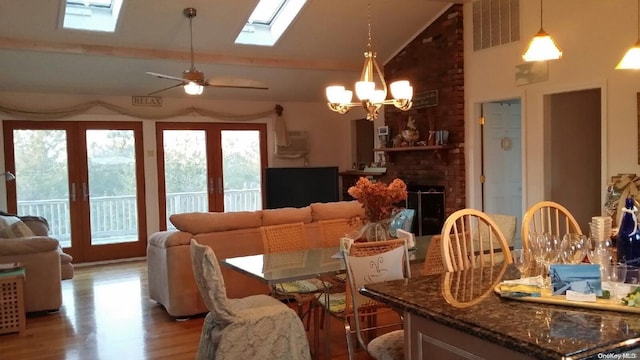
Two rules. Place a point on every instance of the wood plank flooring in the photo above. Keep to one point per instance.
(107, 314)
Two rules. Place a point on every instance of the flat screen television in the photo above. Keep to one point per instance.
(300, 186)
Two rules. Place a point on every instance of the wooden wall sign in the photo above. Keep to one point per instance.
(425, 99)
(146, 101)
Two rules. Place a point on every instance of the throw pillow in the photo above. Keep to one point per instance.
(16, 230)
(7, 220)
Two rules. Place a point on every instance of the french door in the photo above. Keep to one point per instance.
(209, 167)
(86, 179)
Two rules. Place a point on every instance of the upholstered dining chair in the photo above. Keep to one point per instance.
(470, 239)
(254, 327)
(287, 238)
(548, 217)
(335, 229)
(372, 262)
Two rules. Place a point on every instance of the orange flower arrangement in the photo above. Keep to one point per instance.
(377, 198)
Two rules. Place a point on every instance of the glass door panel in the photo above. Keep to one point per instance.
(209, 167)
(241, 169)
(112, 190)
(42, 179)
(86, 179)
(185, 172)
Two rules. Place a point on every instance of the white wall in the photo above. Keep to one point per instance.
(329, 132)
(594, 35)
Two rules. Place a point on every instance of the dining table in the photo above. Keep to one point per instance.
(280, 267)
(461, 315)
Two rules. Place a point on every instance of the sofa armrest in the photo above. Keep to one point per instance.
(168, 238)
(27, 245)
(37, 224)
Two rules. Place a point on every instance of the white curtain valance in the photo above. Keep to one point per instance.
(84, 107)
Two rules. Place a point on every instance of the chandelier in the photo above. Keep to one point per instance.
(371, 90)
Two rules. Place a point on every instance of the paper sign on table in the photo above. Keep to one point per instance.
(580, 278)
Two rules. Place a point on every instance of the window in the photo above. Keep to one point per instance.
(91, 15)
(268, 21)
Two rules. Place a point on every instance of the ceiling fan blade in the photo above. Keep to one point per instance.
(163, 76)
(167, 88)
(228, 82)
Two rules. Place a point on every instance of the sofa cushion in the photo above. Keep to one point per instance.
(205, 222)
(286, 215)
(336, 210)
(16, 230)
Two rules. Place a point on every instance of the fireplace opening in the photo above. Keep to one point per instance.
(428, 202)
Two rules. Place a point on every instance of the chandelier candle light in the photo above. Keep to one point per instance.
(371, 98)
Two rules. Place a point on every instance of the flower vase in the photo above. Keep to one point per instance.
(376, 231)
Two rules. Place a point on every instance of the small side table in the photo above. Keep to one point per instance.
(12, 314)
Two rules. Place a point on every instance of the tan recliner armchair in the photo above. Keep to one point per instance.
(43, 260)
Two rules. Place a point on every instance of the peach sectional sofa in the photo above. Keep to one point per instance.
(171, 281)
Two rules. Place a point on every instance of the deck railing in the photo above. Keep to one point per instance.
(116, 216)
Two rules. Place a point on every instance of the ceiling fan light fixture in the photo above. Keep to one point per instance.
(192, 88)
(193, 80)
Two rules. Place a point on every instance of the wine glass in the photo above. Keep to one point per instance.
(521, 259)
(574, 248)
(599, 252)
(615, 274)
(550, 249)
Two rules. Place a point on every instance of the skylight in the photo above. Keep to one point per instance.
(268, 21)
(92, 15)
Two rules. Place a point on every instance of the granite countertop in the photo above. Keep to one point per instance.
(538, 330)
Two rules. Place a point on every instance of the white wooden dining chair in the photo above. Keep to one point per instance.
(470, 239)
(548, 217)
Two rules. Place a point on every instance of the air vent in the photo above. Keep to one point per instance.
(495, 22)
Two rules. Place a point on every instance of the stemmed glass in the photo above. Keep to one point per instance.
(599, 252)
(551, 246)
(615, 275)
(522, 260)
(574, 248)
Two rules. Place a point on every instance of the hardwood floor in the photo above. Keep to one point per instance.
(107, 314)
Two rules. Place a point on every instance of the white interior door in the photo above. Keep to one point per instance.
(502, 160)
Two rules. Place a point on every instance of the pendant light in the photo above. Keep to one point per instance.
(631, 59)
(542, 47)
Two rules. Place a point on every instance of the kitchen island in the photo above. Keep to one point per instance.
(459, 316)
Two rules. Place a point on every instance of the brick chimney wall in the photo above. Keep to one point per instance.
(432, 61)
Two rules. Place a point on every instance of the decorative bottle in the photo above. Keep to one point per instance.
(628, 239)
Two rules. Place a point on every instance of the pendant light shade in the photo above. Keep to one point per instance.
(631, 60)
(542, 47)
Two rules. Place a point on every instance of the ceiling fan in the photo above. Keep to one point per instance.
(193, 80)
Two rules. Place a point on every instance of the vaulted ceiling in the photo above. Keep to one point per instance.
(324, 45)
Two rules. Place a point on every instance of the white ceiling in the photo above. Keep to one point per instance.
(324, 45)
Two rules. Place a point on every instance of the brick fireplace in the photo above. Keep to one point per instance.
(432, 61)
